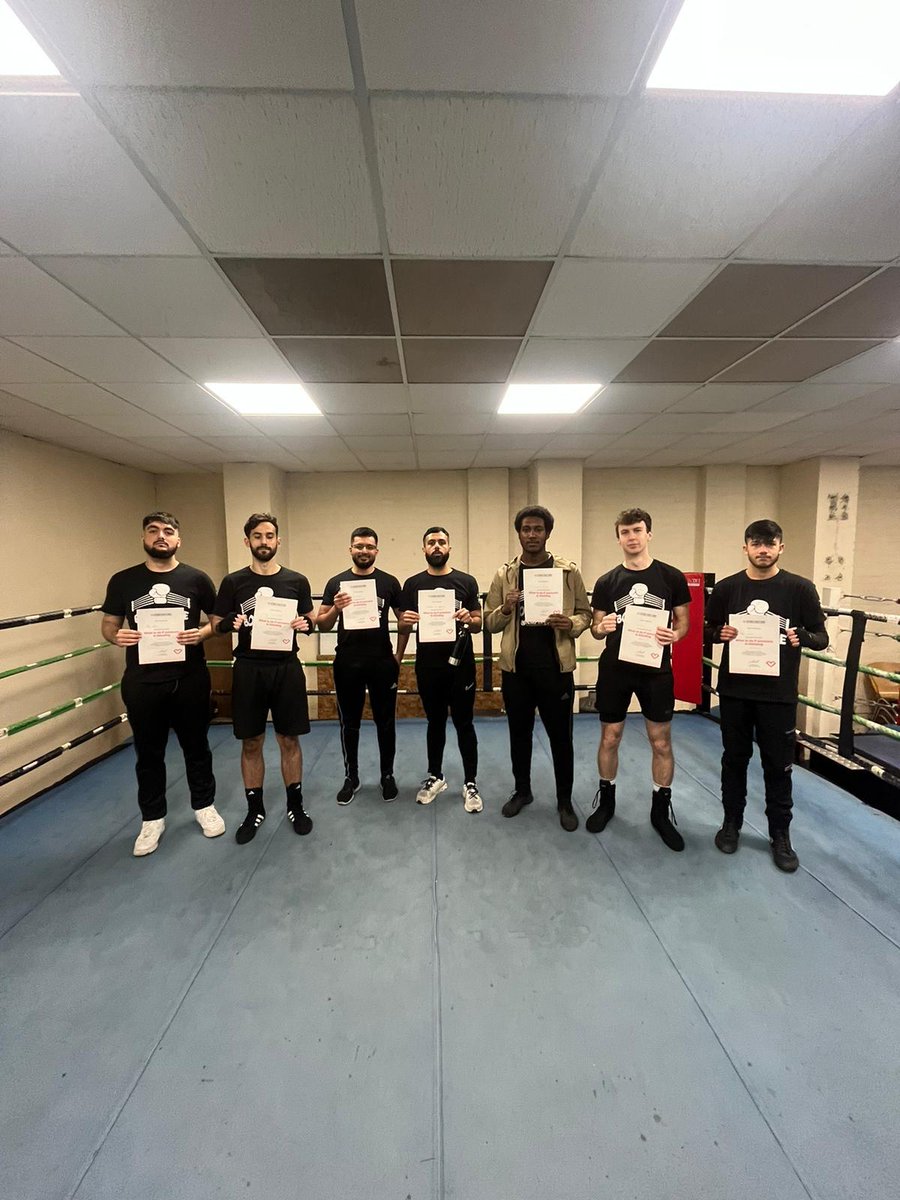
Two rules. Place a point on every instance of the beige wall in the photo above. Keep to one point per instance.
(199, 504)
(877, 560)
(72, 521)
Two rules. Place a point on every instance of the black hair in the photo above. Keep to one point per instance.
(165, 518)
(633, 516)
(764, 531)
(259, 519)
(534, 510)
(364, 531)
(435, 529)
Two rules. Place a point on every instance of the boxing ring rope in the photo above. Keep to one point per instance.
(57, 658)
(58, 614)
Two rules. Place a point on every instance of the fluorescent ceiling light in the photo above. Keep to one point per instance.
(19, 52)
(262, 398)
(547, 397)
(825, 47)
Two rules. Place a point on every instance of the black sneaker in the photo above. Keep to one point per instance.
(299, 817)
(248, 827)
(783, 852)
(727, 837)
(388, 788)
(516, 803)
(349, 788)
(604, 807)
(567, 817)
(661, 818)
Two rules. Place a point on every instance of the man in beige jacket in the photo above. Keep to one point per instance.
(537, 661)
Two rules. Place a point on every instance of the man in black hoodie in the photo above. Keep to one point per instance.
(762, 704)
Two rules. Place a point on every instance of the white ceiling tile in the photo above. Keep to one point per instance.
(156, 297)
(451, 423)
(574, 360)
(322, 454)
(361, 424)
(689, 452)
(129, 422)
(389, 462)
(214, 43)
(455, 397)
(5, 249)
(434, 447)
(825, 221)
(67, 188)
(18, 365)
(569, 446)
(727, 397)
(450, 460)
(881, 365)
(678, 424)
(751, 421)
(221, 423)
(640, 397)
(257, 173)
(885, 458)
(594, 420)
(169, 399)
(617, 299)
(811, 397)
(532, 423)
(349, 398)
(39, 422)
(33, 303)
(494, 176)
(693, 176)
(73, 399)
(102, 359)
(502, 458)
(243, 449)
(516, 439)
(529, 46)
(369, 448)
(221, 360)
(193, 450)
(283, 425)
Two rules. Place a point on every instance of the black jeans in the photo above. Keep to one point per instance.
(154, 709)
(443, 687)
(552, 693)
(774, 726)
(351, 679)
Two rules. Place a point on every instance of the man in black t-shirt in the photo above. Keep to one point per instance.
(537, 659)
(166, 682)
(759, 696)
(267, 674)
(623, 602)
(365, 660)
(444, 684)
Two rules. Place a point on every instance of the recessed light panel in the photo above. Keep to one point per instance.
(260, 398)
(547, 397)
(825, 47)
(19, 52)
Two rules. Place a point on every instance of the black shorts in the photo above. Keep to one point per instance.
(655, 691)
(258, 687)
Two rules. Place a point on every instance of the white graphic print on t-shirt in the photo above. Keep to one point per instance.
(249, 606)
(639, 594)
(160, 594)
(759, 608)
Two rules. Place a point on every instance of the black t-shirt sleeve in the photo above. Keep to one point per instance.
(471, 600)
(207, 594)
(304, 596)
(224, 602)
(395, 594)
(716, 611)
(406, 602)
(681, 593)
(115, 603)
(331, 590)
(600, 597)
(811, 623)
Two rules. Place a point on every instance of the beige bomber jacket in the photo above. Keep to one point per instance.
(575, 605)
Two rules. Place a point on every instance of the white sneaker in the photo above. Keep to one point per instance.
(210, 821)
(431, 786)
(148, 838)
(472, 798)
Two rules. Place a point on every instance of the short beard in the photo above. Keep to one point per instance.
(156, 552)
(263, 553)
(437, 560)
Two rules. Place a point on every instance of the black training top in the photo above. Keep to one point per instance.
(238, 593)
(366, 643)
(464, 587)
(795, 601)
(183, 587)
(657, 586)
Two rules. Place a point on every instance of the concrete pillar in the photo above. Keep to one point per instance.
(487, 505)
(721, 505)
(818, 501)
(249, 488)
(558, 484)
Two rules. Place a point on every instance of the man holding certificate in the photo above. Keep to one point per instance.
(166, 683)
(359, 601)
(640, 609)
(443, 604)
(538, 604)
(764, 616)
(267, 604)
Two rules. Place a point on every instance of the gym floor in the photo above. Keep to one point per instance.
(420, 1003)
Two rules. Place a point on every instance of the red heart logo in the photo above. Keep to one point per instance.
(770, 662)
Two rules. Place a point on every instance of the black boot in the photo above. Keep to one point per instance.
(247, 829)
(783, 851)
(516, 803)
(660, 810)
(604, 807)
(727, 837)
(300, 820)
(567, 817)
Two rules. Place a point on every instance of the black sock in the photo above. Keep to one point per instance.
(294, 792)
(255, 800)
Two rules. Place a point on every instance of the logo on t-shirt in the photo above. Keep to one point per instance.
(249, 606)
(759, 608)
(160, 594)
(639, 594)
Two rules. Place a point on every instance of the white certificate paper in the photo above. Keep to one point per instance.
(639, 626)
(543, 592)
(362, 611)
(271, 629)
(158, 627)
(756, 650)
(436, 609)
